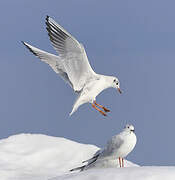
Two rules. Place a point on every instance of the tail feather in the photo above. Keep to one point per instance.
(73, 110)
(77, 103)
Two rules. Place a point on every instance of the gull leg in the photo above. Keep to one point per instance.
(93, 105)
(105, 109)
(122, 162)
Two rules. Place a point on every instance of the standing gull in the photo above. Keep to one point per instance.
(73, 66)
(118, 147)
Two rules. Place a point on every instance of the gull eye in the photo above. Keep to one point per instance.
(114, 80)
(116, 83)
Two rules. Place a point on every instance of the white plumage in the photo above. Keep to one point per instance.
(118, 147)
(73, 66)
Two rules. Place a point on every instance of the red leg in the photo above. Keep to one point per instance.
(105, 109)
(93, 105)
(122, 162)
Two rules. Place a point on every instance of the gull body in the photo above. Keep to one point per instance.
(92, 89)
(73, 66)
(118, 147)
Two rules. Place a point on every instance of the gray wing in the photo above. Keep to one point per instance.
(74, 57)
(52, 60)
(112, 145)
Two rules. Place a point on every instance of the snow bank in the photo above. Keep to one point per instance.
(35, 157)
(131, 173)
(41, 157)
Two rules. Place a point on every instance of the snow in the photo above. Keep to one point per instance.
(132, 173)
(41, 157)
(35, 156)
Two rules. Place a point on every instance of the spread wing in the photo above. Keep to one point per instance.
(72, 53)
(52, 60)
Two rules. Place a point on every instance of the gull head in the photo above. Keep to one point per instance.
(116, 84)
(129, 128)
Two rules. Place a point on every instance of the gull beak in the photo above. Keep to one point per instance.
(119, 90)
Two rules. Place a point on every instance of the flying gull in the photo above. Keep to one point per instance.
(73, 66)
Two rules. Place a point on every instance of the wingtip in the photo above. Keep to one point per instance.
(29, 48)
(47, 21)
(23, 42)
(47, 17)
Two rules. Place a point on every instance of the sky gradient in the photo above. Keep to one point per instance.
(133, 40)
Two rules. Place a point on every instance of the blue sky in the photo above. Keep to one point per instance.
(133, 40)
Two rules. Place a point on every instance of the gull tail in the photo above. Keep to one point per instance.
(77, 103)
(75, 107)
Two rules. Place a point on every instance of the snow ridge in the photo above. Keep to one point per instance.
(41, 157)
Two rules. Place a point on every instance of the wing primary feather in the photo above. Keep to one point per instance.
(53, 39)
(53, 35)
(94, 157)
(57, 40)
(61, 45)
(29, 48)
(54, 28)
(78, 168)
(61, 38)
(51, 29)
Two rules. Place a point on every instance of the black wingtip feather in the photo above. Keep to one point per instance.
(23, 42)
(78, 168)
(29, 48)
(47, 18)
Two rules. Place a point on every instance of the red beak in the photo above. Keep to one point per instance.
(119, 90)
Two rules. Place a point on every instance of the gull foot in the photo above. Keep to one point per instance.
(104, 114)
(106, 110)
